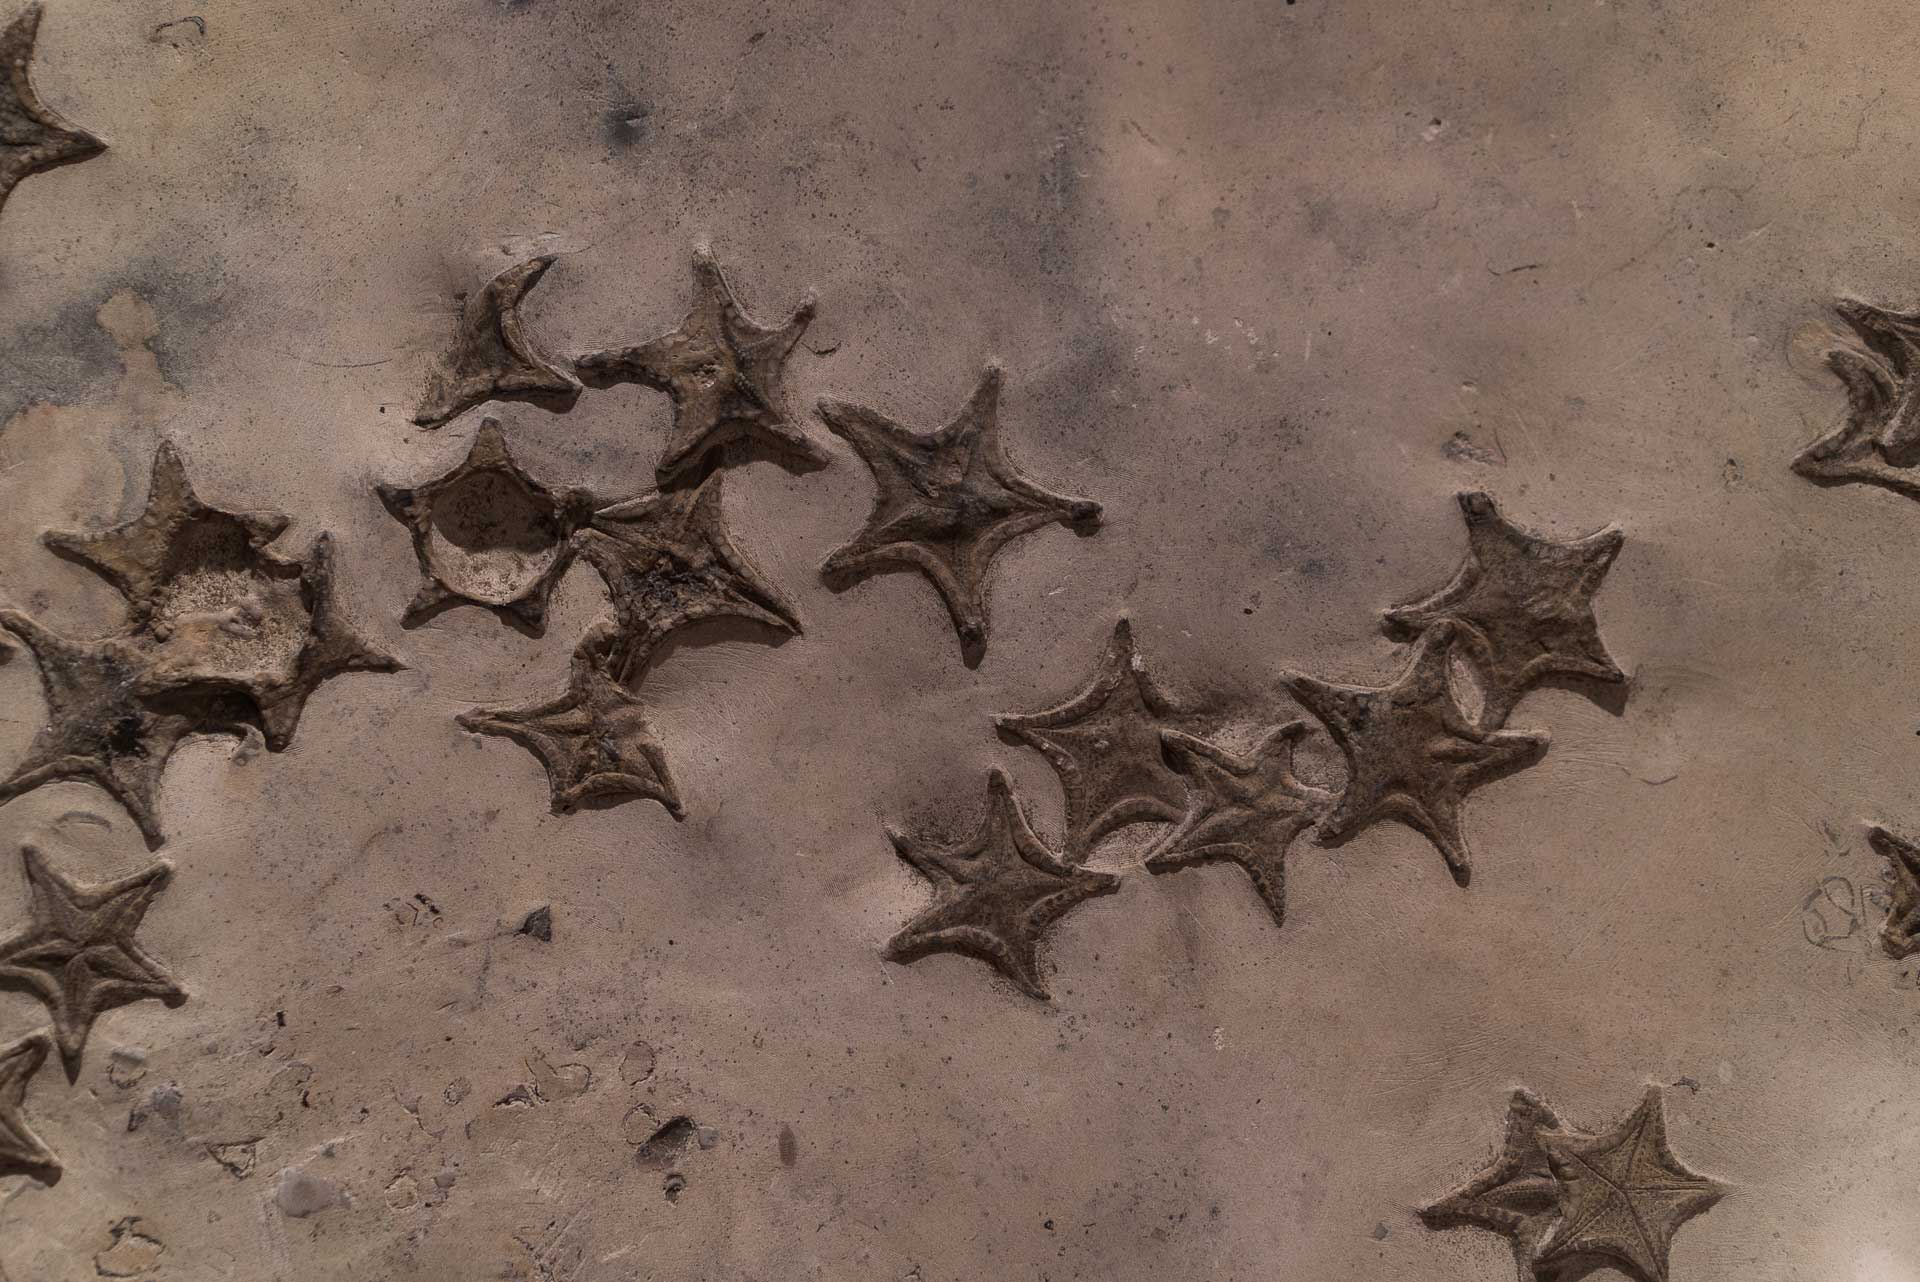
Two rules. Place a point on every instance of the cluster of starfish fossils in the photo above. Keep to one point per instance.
(489, 534)
(1519, 611)
(1570, 1202)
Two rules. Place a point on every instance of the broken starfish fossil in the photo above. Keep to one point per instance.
(33, 136)
(995, 893)
(724, 371)
(1515, 1197)
(1900, 933)
(947, 501)
(488, 533)
(493, 358)
(78, 955)
(21, 1151)
(1879, 441)
(1523, 606)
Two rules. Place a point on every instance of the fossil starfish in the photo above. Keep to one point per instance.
(593, 740)
(995, 893)
(668, 561)
(1879, 442)
(1515, 1197)
(724, 371)
(947, 502)
(1244, 809)
(33, 136)
(1523, 605)
(78, 953)
(1622, 1195)
(487, 533)
(1410, 755)
(493, 358)
(1900, 933)
(21, 1151)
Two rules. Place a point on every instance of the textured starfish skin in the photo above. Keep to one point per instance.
(493, 358)
(1247, 810)
(33, 136)
(994, 894)
(1523, 606)
(593, 740)
(488, 505)
(668, 561)
(1900, 933)
(1410, 755)
(1104, 743)
(21, 1151)
(724, 371)
(78, 955)
(947, 502)
(1517, 1196)
(1622, 1196)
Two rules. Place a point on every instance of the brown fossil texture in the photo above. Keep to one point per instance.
(33, 136)
(1900, 932)
(946, 502)
(725, 372)
(493, 358)
(78, 954)
(22, 1152)
(1516, 1196)
(488, 533)
(1105, 744)
(1878, 442)
(995, 893)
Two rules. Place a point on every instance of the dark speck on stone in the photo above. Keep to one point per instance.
(539, 924)
(625, 125)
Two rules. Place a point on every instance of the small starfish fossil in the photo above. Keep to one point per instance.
(1104, 743)
(947, 502)
(21, 1151)
(78, 953)
(1245, 809)
(33, 136)
(724, 371)
(1879, 443)
(995, 893)
(1410, 755)
(1900, 933)
(488, 533)
(594, 740)
(668, 561)
(493, 358)
(1622, 1195)
(1517, 1196)
(1523, 606)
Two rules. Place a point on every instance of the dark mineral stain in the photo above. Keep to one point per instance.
(789, 1147)
(626, 125)
(539, 924)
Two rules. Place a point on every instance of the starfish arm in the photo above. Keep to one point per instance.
(1019, 964)
(22, 1152)
(645, 363)
(24, 115)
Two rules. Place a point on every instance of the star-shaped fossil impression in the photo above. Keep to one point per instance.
(1622, 1196)
(1900, 933)
(1410, 754)
(21, 1151)
(1244, 809)
(668, 562)
(593, 740)
(1879, 442)
(1517, 1196)
(724, 371)
(1523, 606)
(493, 358)
(33, 136)
(488, 533)
(995, 893)
(1104, 743)
(947, 502)
(78, 953)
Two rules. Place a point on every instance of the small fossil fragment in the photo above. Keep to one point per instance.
(33, 136)
(995, 894)
(78, 954)
(21, 1151)
(1246, 809)
(488, 533)
(1879, 442)
(668, 561)
(493, 358)
(1523, 606)
(1900, 933)
(724, 371)
(593, 740)
(1410, 755)
(947, 501)
(1105, 744)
